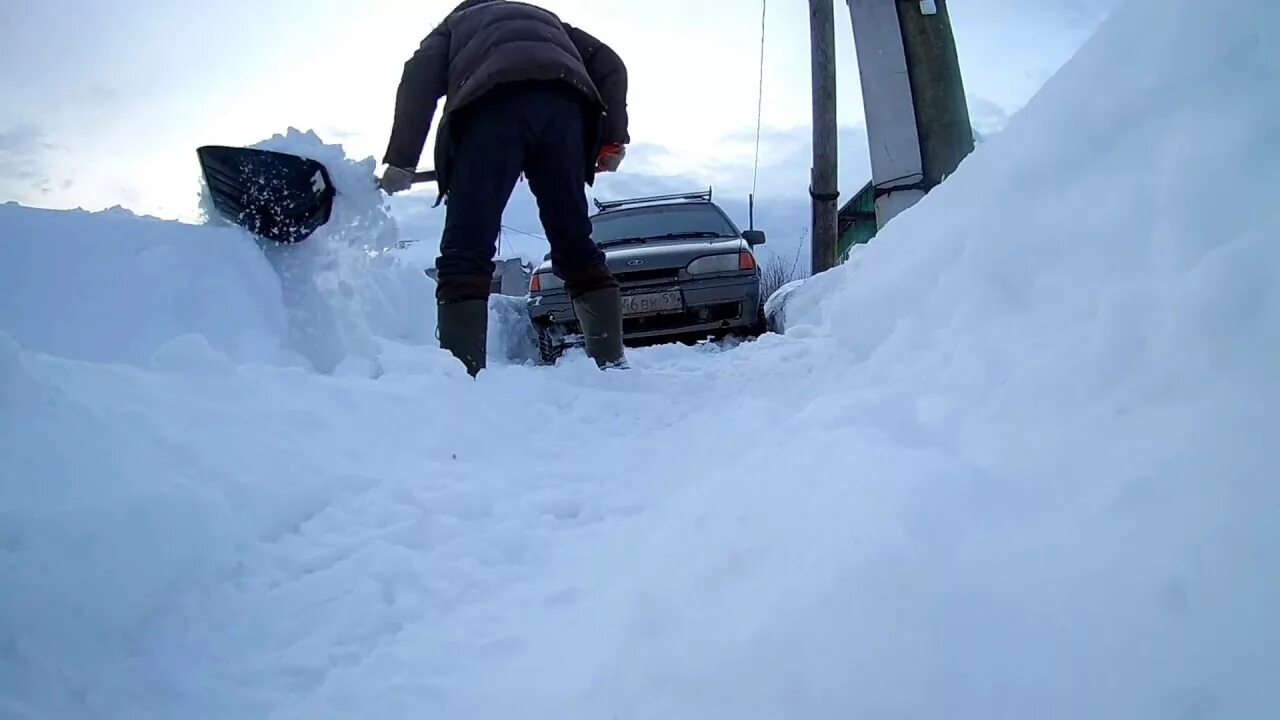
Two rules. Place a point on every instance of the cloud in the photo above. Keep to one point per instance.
(22, 151)
(1069, 14)
(786, 159)
(21, 143)
(101, 95)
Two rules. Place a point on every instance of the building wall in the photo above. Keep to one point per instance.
(857, 222)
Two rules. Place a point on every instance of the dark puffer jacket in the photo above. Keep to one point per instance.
(486, 42)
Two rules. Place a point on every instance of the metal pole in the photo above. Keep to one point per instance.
(824, 180)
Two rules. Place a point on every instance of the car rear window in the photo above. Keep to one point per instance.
(657, 221)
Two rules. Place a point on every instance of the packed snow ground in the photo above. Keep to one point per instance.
(1013, 461)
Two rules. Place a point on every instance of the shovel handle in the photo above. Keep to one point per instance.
(425, 176)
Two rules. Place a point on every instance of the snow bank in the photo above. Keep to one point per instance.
(1012, 461)
(1038, 482)
(343, 287)
(114, 287)
(127, 490)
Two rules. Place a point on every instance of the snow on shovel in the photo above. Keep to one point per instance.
(277, 196)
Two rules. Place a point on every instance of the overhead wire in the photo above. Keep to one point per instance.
(755, 172)
(517, 231)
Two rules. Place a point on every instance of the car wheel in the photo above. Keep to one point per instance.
(548, 349)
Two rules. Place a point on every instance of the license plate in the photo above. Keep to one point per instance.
(652, 303)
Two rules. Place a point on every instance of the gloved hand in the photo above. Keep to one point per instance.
(610, 157)
(395, 180)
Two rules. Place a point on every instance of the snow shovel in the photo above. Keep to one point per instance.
(277, 196)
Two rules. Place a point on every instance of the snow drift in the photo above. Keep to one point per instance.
(1012, 461)
(113, 287)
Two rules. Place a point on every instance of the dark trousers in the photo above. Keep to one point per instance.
(532, 128)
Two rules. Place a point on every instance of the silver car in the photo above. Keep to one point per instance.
(686, 271)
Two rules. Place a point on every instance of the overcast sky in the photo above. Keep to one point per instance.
(106, 102)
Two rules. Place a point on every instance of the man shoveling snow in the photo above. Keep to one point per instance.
(527, 94)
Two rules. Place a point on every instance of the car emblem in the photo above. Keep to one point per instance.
(635, 263)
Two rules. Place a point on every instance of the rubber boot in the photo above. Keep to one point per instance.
(464, 331)
(600, 314)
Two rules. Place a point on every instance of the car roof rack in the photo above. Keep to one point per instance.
(704, 195)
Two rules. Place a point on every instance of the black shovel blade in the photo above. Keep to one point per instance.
(277, 196)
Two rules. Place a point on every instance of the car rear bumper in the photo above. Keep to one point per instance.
(711, 305)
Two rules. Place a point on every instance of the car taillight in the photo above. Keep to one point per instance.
(535, 283)
(746, 261)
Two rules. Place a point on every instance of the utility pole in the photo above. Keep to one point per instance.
(942, 112)
(824, 176)
(917, 118)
